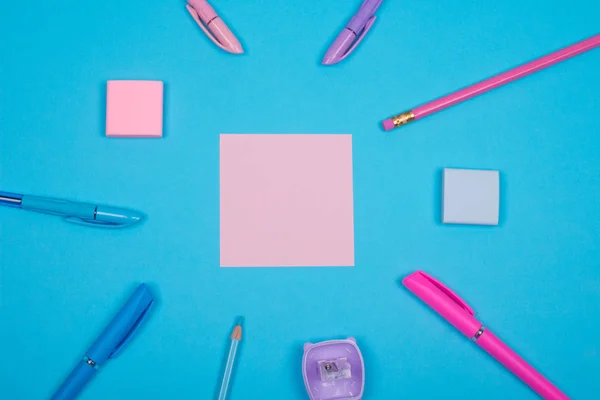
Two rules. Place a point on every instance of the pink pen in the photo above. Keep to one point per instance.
(446, 303)
(214, 27)
(491, 83)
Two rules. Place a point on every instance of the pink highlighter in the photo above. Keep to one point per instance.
(214, 27)
(446, 303)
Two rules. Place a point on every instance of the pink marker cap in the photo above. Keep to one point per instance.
(204, 10)
(213, 26)
(444, 301)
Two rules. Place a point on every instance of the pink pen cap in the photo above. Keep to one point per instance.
(213, 26)
(444, 301)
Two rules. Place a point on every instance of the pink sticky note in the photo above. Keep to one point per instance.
(286, 200)
(134, 109)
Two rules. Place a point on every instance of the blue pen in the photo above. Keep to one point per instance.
(79, 213)
(109, 344)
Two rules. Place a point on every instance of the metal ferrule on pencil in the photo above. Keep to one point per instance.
(403, 118)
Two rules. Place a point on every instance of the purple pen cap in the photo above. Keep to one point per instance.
(333, 370)
(338, 50)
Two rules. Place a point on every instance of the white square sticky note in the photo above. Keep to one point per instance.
(471, 196)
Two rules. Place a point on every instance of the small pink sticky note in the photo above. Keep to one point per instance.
(134, 109)
(286, 200)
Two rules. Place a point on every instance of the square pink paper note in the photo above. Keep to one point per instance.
(134, 109)
(286, 200)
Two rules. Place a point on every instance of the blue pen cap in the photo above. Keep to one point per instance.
(123, 326)
(117, 216)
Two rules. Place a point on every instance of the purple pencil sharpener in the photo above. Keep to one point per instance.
(333, 370)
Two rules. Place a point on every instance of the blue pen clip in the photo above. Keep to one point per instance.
(132, 332)
(82, 213)
(106, 217)
(122, 327)
(110, 343)
(94, 223)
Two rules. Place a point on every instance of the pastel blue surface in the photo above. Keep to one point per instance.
(534, 280)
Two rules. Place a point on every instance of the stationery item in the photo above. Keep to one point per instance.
(79, 213)
(134, 109)
(471, 196)
(236, 338)
(286, 200)
(214, 27)
(109, 344)
(491, 83)
(446, 303)
(333, 370)
(353, 33)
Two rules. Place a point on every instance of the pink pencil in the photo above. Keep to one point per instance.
(491, 83)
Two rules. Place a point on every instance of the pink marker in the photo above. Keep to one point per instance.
(446, 303)
(491, 83)
(214, 27)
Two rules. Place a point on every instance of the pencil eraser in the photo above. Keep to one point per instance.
(134, 109)
(471, 196)
(388, 124)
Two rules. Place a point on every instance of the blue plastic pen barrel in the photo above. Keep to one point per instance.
(10, 199)
(110, 342)
(74, 384)
(58, 207)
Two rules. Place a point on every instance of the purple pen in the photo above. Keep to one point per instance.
(353, 33)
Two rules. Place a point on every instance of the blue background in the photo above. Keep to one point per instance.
(534, 280)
